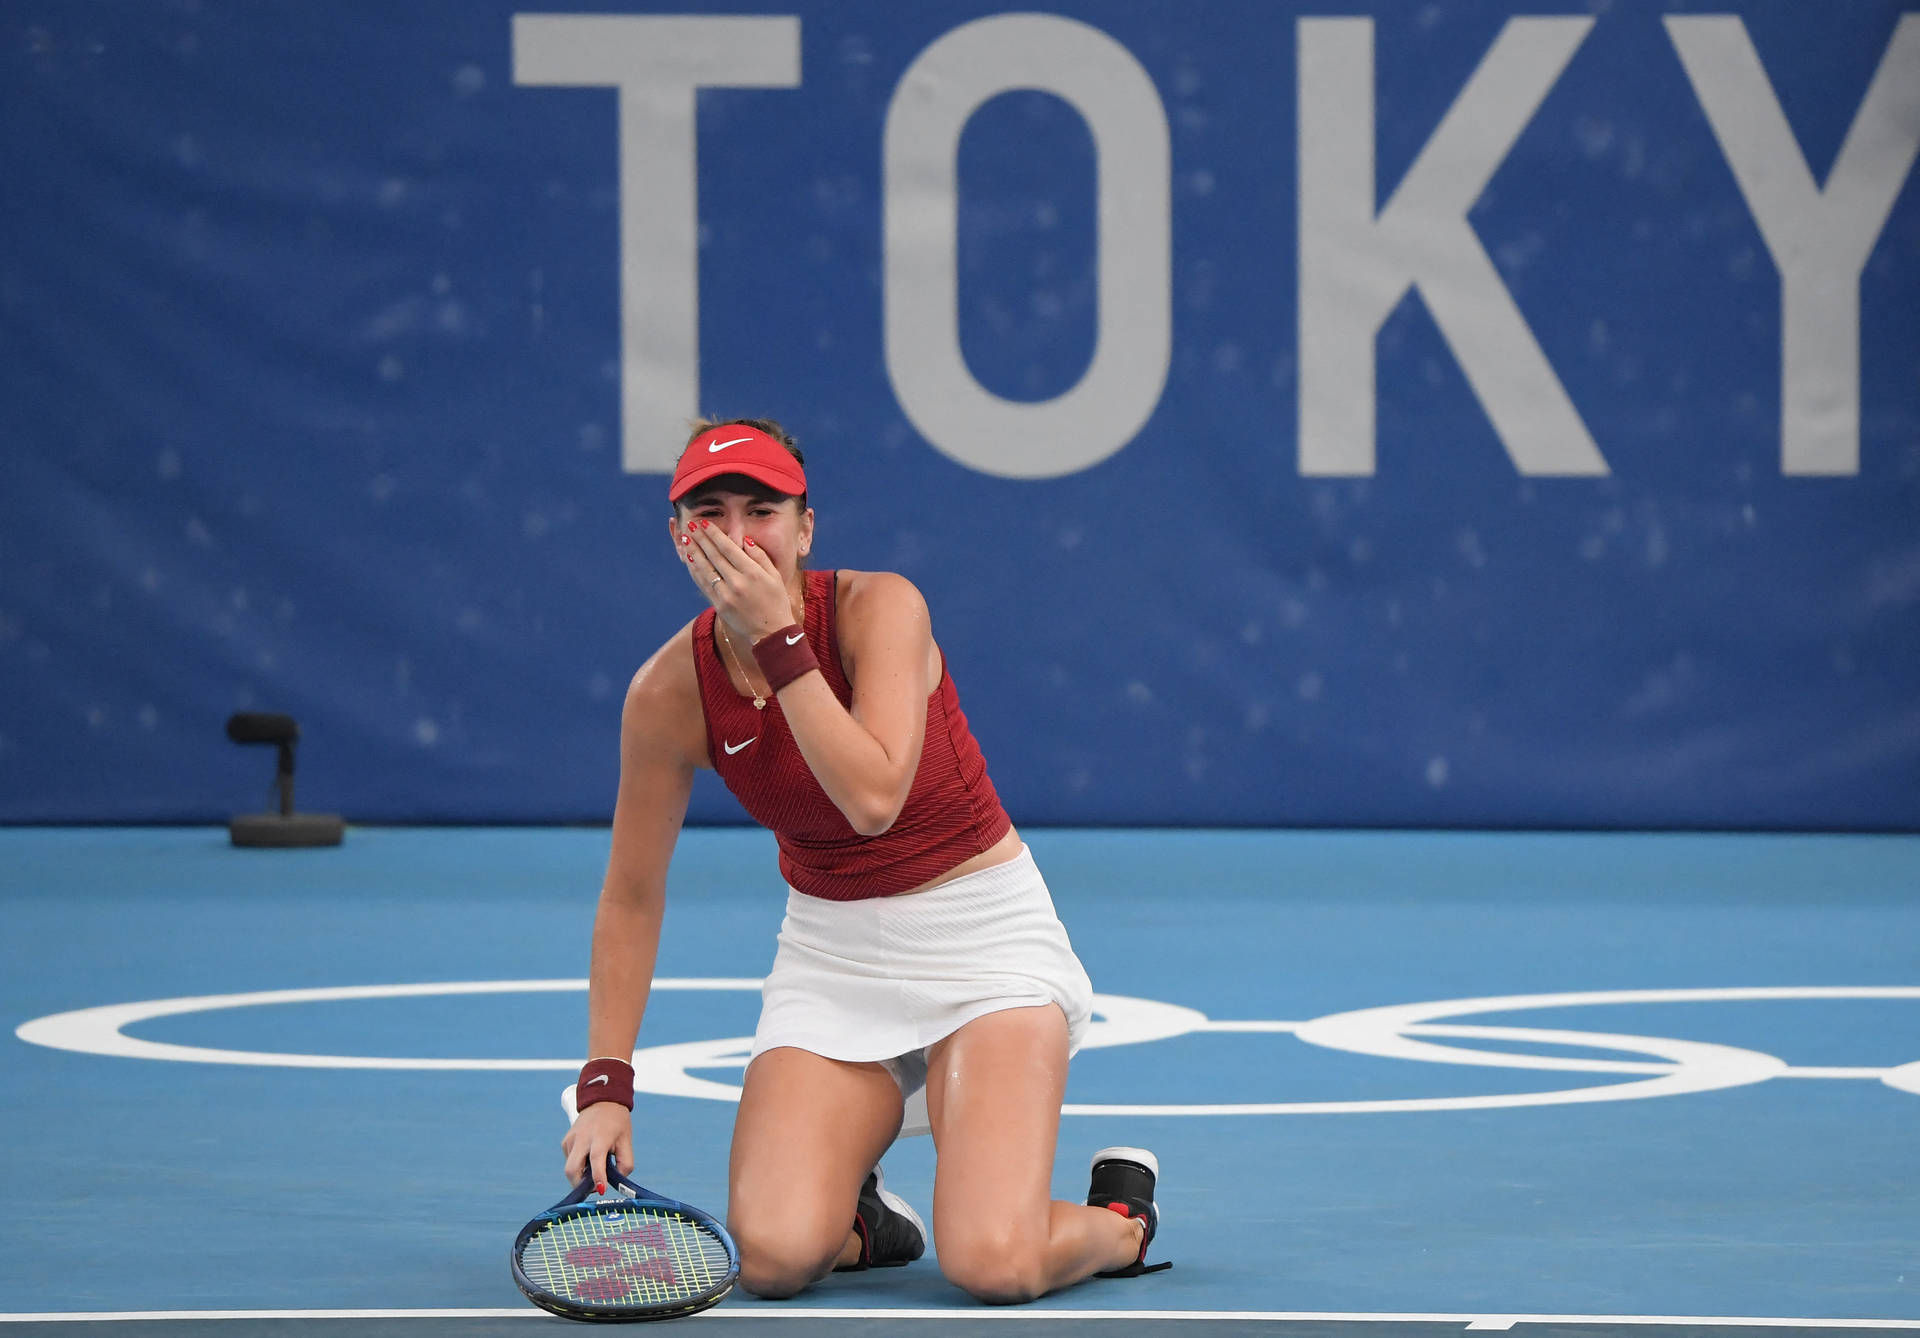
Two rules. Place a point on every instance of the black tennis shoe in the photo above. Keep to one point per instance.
(1123, 1181)
(891, 1232)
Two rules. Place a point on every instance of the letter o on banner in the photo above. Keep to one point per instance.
(936, 97)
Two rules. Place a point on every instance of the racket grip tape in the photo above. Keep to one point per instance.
(604, 1079)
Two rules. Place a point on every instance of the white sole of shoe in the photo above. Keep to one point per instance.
(896, 1203)
(1138, 1156)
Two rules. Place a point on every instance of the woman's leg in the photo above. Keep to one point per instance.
(808, 1131)
(993, 1093)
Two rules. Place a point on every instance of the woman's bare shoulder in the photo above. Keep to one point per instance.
(881, 612)
(879, 596)
(663, 700)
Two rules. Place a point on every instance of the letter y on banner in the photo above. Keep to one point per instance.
(1819, 237)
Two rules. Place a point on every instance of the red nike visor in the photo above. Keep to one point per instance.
(735, 448)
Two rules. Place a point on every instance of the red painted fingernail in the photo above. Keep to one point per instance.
(749, 541)
(686, 538)
(600, 1189)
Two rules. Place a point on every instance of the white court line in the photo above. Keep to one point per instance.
(1479, 1322)
(1220, 1025)
(1834, 1073)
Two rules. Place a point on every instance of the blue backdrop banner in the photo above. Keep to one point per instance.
(1440, 414)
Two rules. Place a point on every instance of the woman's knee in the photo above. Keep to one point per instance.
(779, 1259)
(1002, 1268)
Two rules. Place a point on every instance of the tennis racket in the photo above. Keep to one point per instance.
(631, 1255)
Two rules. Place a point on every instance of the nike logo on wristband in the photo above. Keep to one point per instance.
(592, 1081)
(733, 748)
(795, 638)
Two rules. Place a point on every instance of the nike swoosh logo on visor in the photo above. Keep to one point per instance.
(733, 748)
(722, 445)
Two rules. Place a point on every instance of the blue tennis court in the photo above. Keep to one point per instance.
(1415, 505)
(1421, 1080)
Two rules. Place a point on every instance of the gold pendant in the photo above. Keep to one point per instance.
(759, 702)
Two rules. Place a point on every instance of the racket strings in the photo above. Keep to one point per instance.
(625, 1256)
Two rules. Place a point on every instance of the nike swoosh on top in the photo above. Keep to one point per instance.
(794, 638)
(600, 1078)
(722, 445)
(733, 748)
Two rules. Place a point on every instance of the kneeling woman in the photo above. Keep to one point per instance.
(920, 944)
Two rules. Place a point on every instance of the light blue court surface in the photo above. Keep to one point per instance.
(1450, 1076)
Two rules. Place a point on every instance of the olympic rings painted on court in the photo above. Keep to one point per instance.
(1398, 1031)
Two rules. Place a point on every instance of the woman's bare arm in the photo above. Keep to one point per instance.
(658, 755)
(866, 758)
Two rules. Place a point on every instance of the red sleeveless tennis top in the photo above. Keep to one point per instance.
(952, 811)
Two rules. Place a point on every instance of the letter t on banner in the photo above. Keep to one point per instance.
(658, 64)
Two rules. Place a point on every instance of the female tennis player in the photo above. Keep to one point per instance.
(920, 944)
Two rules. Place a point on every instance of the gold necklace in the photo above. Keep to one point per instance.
(759, 698)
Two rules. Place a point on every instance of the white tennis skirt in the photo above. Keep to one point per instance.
(880, 980)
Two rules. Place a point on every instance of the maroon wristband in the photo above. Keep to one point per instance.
(784, 656)
(604, 1080)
